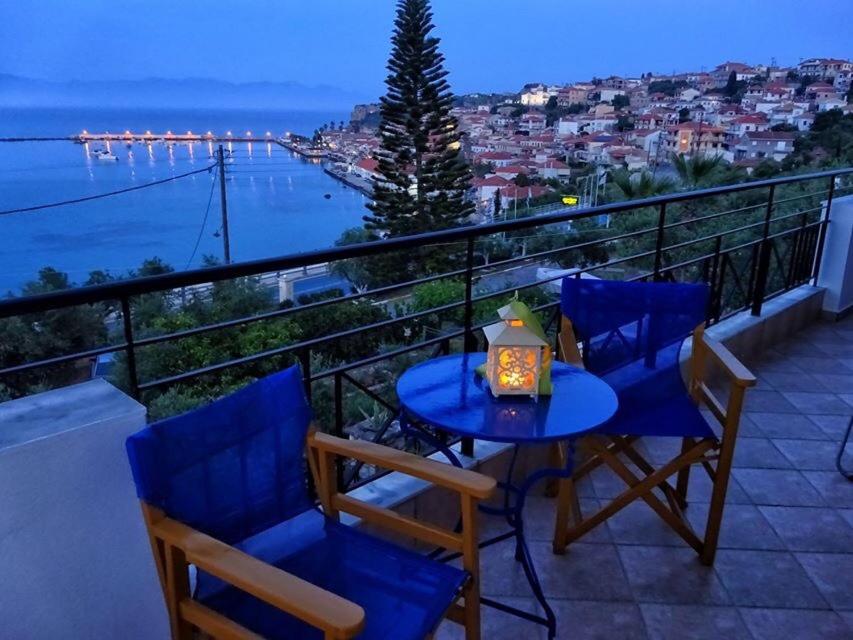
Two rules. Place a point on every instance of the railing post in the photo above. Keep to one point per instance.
(763, 267)
(132, 373)
(468, 339)
(715, 301)
(659, 243)
(470, 343)
(822, 234)
(339, 430)
(798, 248)
(305, 362)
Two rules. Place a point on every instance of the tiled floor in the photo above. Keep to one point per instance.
(785, 564)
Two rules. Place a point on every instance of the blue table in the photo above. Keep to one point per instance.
(447, 394)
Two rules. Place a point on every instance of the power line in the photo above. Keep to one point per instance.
(203, 223)
(105, 195)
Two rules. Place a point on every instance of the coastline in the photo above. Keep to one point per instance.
(347, 178)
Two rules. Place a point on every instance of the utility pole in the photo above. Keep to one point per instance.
(226, 242)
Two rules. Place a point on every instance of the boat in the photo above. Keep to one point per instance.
(104, 155)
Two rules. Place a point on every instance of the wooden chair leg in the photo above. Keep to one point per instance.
(684, 475)
(177, 590)
(721, 476)
(471, 563)
(556, 459)
(568, 508)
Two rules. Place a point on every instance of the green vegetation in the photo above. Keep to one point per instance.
(553, 111)
(828, 143)
(640, 185)
(698, 170)
(620, 101)
(667, 87)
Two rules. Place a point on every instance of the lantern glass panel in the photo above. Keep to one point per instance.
(515, 369)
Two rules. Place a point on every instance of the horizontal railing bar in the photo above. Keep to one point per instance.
(573, 247)
(387, 355)
(609, 263)
(712, 216)
(721, 214)
(176, 280)
(227, 324)
(800, 197)
(305, 344)
(708, 256)
(722, 234)
(91, 353)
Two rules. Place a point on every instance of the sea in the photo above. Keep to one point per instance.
(277, 202)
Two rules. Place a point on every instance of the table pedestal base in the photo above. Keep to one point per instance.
(512, 510)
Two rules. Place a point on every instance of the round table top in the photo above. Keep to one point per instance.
(447, 393)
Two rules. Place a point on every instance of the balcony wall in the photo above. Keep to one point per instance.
(74, 556)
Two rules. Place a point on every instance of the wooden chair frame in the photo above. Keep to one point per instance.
(605, 450)
(176, 546)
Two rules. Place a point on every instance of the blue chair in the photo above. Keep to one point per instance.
(224, 490)
(631, 335)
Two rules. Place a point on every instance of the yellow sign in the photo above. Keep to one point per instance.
(570, 199)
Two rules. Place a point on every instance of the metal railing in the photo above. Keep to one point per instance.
(775, 245)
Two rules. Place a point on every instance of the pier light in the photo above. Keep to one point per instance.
(85, 133)
(268, 134)
(210, 134)
(168, 133)
(147, 132)
(127, 132)
(248, 133)
(228, 133)
(189, 133)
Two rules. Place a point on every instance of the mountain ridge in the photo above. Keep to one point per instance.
(19, 91)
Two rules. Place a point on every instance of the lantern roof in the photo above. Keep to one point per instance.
(508, 313)
(506, 334)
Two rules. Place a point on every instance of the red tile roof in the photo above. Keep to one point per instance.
(491, 181)
(368, 164)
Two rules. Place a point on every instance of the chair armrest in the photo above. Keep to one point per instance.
(739, 374)
(463, 481)
(315, 606)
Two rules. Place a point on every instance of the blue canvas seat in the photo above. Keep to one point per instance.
(235, 472)
(631, 334)
(404, 594)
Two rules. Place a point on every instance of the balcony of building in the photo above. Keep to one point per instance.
(780, 270)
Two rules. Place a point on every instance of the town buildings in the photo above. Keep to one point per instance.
(528, 145)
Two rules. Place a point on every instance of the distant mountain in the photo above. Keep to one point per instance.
(16, 91)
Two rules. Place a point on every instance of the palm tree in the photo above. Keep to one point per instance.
(696, 169)
(640, 185)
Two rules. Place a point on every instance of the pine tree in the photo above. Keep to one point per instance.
(423, 180)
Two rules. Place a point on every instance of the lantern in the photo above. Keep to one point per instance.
(514, 358)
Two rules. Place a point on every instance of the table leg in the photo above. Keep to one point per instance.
(522, 551)
(513, 512)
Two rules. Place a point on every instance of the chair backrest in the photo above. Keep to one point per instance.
(632, 332)
(233, 467)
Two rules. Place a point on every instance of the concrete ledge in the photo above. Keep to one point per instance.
(748, 336)
(74, 555)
